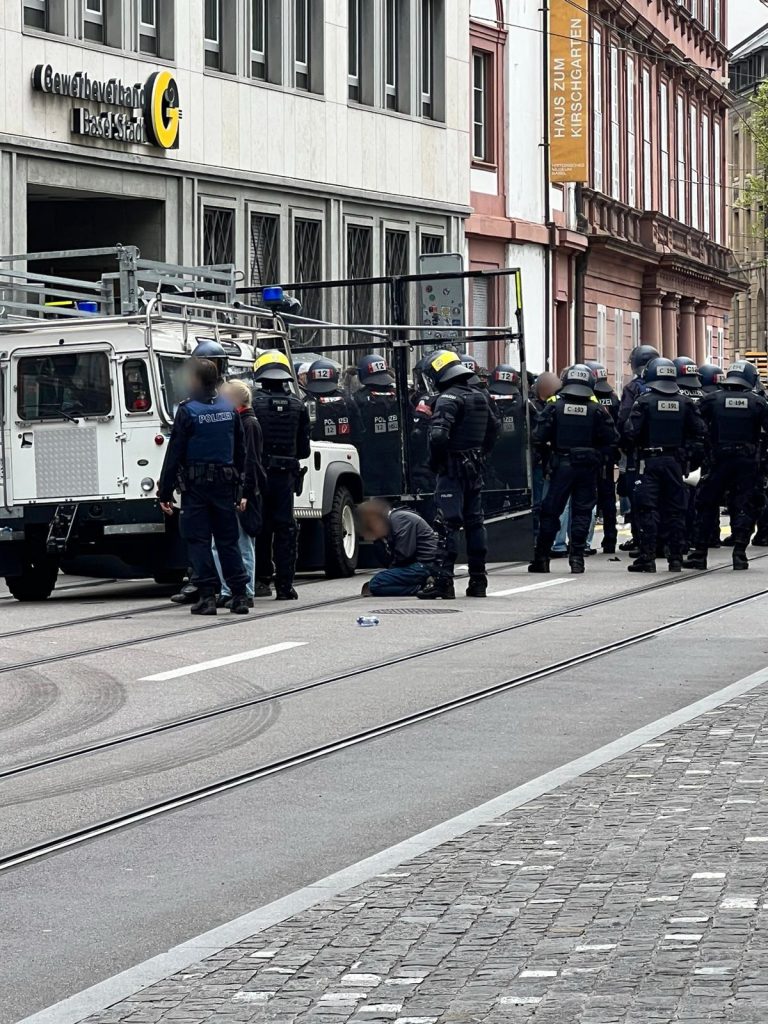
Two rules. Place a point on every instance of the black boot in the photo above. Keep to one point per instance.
(262, 589)
(478, 586)
(240, 604)
(609, 547)
(437, 588)
(760, 540)
(675, 565)
(205, 605)
(728, 542)
(188, 594)
(540, 563)
(697, 559)
(285, 593)
(576, 561)
(642, 564)
(740, 560)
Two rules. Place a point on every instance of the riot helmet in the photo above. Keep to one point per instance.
(470, 362)
(661, 375)
(208, 348)
(446, 368)
(578, 381)
(640, 356)
(711, 376)
(600, 375)
(322, 377)
(742, 374)
(373, 369)
(687, 372)
(272, 366)
(504, 380)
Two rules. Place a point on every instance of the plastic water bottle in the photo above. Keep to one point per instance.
(367, 620)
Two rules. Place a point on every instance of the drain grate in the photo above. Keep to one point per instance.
(414, 611)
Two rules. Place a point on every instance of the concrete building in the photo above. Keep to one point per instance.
(657, 266)
(749, 68)
(302, 140)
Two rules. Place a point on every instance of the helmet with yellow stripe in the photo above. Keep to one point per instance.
(445, 367)
(272, 365)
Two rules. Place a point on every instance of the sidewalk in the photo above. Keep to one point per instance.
(634, 894)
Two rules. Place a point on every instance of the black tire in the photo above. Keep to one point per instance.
(170, 577)
(341, 541)
(37, 583)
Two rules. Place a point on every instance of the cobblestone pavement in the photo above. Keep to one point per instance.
(635, 894)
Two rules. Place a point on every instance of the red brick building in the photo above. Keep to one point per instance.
(657, 268)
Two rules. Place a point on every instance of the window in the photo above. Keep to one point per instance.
(631, 133)
(720, 346)
(148, 26)
(647, 144)
(615, 128)
(682, 213)
(174, 377)
(212, 34)
(716, 25)
(694, 143)
(308, 265)
(664, 146)
(36, 14)
(717, 156)
(138, 397)
(396, 246)
(93, 20)
(709, 353)
(427, 56)
(482, 81)
(64, 387)
(618, 341)
(301, 44)
(706, 173)
(354, 48)
(597, 111)
(218, 236)
(601, 331)
(391, 32)
(360, 265)
(259, 39)
(265, 249)
(431, 245)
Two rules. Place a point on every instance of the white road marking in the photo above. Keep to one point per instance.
(533, 586)
(230, 659)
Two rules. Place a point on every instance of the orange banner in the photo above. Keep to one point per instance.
(568, 93)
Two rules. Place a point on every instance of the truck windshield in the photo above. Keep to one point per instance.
(64, 386)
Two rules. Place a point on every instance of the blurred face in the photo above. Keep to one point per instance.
(373, 524)
(547, 384)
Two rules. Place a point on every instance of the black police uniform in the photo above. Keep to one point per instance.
(506, 465)
(205, 460)
(378, 409)
(736, 420)
(660, 428)
(462, 431)
(577, 431)
(284, 425)
(333, 417)
(422, 476)
(689, 383)
(606, 478)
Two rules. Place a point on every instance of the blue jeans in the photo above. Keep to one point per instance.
(561, 540)
(403, 581)
(247, 553)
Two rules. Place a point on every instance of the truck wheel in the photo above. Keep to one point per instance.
(37, 583)
(340, 536)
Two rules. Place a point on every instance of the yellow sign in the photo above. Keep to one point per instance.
(568, 93)
(161, 110)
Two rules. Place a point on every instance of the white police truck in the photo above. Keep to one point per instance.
(91, 373)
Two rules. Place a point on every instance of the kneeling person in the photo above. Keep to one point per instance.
(404, 542)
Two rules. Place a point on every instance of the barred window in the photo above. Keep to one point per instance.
(265, 249)
(308, 264)
(218, 236)
(396, 257)
(431, 245)
(360, 265)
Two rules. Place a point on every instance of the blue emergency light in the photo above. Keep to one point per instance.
(272, 294)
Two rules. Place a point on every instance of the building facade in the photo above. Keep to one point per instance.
(748, 225)
(300, 139)
(657, 266)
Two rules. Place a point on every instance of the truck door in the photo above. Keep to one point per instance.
(66, 440)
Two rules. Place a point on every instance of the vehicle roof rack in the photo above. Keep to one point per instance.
(125, 291)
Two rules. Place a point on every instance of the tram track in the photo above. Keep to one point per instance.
(159, 729)
(76, 837)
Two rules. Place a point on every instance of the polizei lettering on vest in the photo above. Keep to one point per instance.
(215, 417)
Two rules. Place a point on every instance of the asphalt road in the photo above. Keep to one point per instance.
(77, 917)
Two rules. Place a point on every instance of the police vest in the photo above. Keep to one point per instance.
(574, 423)
(212, 441)
(665, 422)
(330, 419)
(279, 415)
(471, 425)
(611, 403)
(736, 417)
(380, 414)
(695, 394)
(509, 409)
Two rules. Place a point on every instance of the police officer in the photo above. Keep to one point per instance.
(736, 419)
(205, 459)
(212, 350)
(507, 462)
(284, 423)
(422, 405)
(462, 431)
(662, 427)
(333, 416)
(639, 358)
(379, 410)
(576, 432)
(688, 379)
(606, 479)
(711, 377)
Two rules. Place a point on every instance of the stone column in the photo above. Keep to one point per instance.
(670, 307)
(687, 340)
(650, 318)
(701, 332)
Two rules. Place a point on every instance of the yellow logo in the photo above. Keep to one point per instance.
(272, 358)
(444, 359)
(161, 110)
